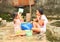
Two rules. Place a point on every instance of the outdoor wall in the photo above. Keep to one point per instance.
(18, 3)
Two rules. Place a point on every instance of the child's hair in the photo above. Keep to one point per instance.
(16, 14)
(40, 11)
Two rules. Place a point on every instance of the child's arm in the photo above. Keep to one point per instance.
(41, 22)
(20, 17)
(35, 20)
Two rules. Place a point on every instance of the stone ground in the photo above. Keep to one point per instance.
(7, 30)
(53, 32)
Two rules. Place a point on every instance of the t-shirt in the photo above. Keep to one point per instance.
(43, 28)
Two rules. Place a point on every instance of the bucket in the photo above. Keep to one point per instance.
(28, 32)
(26, 26)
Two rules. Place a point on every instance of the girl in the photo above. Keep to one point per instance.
(39, 24)
(17, 22)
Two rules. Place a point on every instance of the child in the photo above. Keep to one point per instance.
(40, 22)
(17, 22)
(28, 17)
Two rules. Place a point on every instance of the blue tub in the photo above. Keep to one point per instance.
(26, 26)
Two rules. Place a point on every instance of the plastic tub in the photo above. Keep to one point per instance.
(26, 26)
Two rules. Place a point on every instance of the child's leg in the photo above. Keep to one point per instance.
(37, 30)
(35, 27)
(34, 24)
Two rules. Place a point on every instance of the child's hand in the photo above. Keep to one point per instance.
(38, 18)
(31, 22)
(35, 20)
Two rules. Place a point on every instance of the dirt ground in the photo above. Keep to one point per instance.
(7, 31)
(22, 39)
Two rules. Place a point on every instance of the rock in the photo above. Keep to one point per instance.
(3, 23)
(53, 33)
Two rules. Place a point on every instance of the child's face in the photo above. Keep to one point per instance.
(37, 13)
(17, 17)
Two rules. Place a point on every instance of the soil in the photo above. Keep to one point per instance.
(6, 33)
